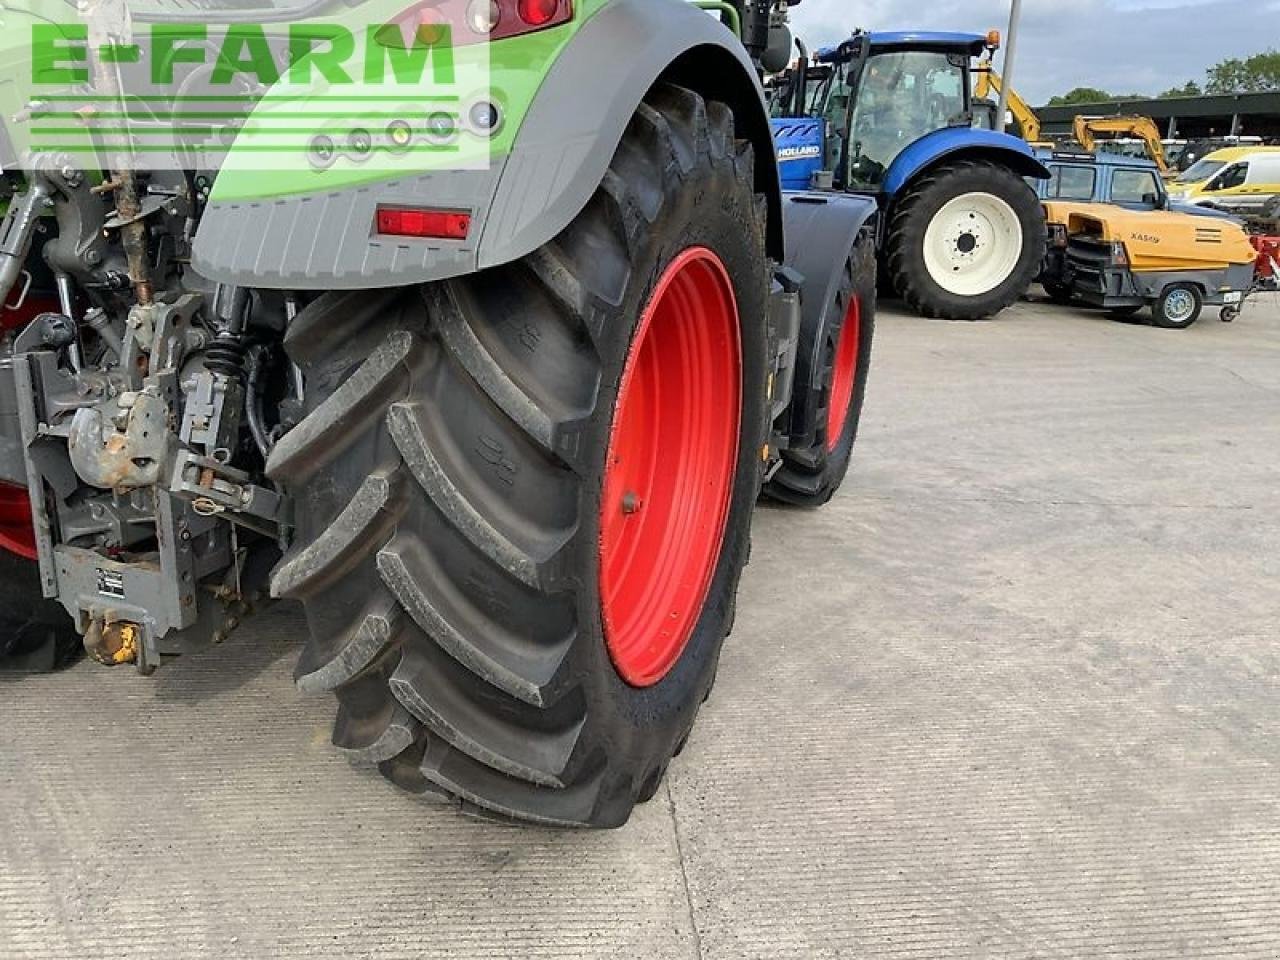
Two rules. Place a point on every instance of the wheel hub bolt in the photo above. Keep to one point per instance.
(631, 503)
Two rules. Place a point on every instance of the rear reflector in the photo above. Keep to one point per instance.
(416, 222)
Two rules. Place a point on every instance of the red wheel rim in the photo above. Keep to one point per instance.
(16, 533)
(844, 374)
(669, 474)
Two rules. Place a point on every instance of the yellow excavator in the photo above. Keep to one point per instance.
(1088, 129)
(987, 84)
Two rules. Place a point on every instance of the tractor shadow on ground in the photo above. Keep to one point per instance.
(271, 635)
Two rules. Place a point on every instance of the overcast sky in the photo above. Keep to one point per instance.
(1123, 46)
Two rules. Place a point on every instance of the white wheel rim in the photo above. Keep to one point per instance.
(973, 244)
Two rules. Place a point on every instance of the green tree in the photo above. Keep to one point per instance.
(1257, 74)
(1080, 95)
(1188, 89)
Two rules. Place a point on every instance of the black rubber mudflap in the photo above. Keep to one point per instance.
(447, 484)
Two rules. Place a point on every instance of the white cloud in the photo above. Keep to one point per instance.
(1125, 46)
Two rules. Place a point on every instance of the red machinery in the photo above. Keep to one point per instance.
(16, 535)
(1267, 270)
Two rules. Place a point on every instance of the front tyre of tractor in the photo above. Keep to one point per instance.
(965, 241)
(523, 497)
(810, 475)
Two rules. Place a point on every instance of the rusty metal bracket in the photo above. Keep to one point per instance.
(123, 444)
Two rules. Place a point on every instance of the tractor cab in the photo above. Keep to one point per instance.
(891, 116)
(877, 94)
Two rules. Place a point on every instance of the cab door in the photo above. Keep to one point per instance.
(1261, 184)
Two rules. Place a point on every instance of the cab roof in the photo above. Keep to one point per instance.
(882, 41)
(969, 43)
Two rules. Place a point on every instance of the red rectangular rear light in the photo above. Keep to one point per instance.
(473, 21)
(418, 222)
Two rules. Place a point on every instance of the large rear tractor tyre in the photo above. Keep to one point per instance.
(966, 241)
(523, 497)
(36, 635)
(810, 476)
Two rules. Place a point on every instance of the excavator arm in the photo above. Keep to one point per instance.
(987, 82)
(1087, 130)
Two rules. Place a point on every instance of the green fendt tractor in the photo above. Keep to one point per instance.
(499, 427)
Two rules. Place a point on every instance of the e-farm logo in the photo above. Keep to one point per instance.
(189, 94)
(60, 53)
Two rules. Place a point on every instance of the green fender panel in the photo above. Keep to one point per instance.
(313, 229)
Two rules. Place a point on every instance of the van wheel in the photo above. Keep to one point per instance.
(1179, 306)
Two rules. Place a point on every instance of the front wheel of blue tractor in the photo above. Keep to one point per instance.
(965, 241)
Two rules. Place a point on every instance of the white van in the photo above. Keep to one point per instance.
(1242, 180)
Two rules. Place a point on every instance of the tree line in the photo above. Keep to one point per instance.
(1257, 74)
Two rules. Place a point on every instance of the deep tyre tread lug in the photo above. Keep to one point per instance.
(405, 771)
(338, 324)
(661, 140)
(539, 758)
(374, 633)
(532, 677)
(330, 429)
(403, 421)
(374, 743)
(720, 120)
(462, 343)
(692, 133)
(365, 523)
(488, 790)
(630, 216)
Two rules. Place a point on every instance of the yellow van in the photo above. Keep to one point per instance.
(1238, 179)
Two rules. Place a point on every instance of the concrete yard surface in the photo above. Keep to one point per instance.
(1015, 693)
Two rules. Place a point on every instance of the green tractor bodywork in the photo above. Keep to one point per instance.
(532, 179)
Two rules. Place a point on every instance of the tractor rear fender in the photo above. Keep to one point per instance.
(559, 157)
(589, 96)
(822, 229)
(961, 143)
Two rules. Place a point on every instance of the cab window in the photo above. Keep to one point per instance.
(1230, 178)
(1134, 187)
(1071, 182)
(901, 97)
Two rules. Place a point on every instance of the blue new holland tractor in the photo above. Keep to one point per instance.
(892, 116)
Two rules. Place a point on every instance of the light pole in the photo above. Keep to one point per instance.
(1002, 112)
